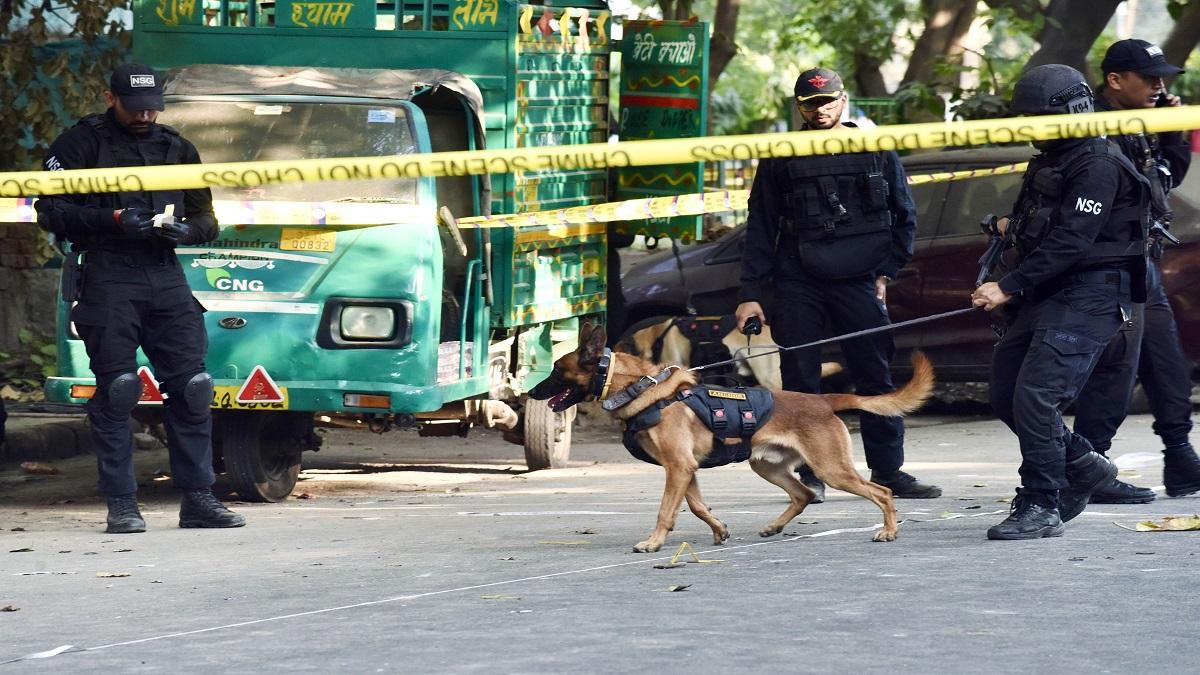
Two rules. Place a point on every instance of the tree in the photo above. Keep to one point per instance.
(1070, 30)
(722, 47)
(49, 78)
(1185, 34)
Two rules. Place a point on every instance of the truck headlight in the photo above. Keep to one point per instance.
(365, 323)
(368, 323)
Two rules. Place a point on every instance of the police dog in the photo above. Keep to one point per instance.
(802, 430)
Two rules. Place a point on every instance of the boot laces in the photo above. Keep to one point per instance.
(205, 499)
(123, 506)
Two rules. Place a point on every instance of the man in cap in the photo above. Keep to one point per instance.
(136, 295)
(1150, 349)
(1079, 229)
(826, 234)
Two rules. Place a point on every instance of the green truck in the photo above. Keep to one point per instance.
(364, 302)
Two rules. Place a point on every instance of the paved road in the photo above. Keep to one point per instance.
(419, 555)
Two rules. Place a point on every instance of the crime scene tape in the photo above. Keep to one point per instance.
(601, 155)
(349, 214)
(683, 205)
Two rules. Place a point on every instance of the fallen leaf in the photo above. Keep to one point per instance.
(1167, 524)
(17, 529)
(112, 575)
(668, 566)
(973, 506)
(587, 531)
(21, 550)
(681, 587)
(979, 485)
(966, 499)
(508, 558)
(38, 469)
(1078, 558)
(9, 608)
(303, 495)
(123, 550)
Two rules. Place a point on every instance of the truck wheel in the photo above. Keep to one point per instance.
(547, 436)
(261, 452)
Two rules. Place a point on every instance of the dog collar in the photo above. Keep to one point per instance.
(603, 377)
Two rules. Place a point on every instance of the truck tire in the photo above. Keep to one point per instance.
(261, 452)
(547, 436)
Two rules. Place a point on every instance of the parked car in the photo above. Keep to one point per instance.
(941, 275)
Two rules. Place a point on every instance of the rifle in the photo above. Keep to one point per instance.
(996, 247)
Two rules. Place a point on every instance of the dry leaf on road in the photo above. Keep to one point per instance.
(38, 469)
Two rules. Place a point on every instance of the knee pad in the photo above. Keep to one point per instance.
(123, 394)
(198, 394)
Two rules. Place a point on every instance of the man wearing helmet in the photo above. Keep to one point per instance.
(1079, 229)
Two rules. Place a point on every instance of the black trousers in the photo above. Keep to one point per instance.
(1042, 363)
(1153, 352)
(132, 301)
(809, 309)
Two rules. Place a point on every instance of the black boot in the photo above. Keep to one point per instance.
(123, 515)
(1085, 474)
(200, 508)
(1181, 470)
(813, 483)
(1033, 516)
(904, 486)
(1120, 492)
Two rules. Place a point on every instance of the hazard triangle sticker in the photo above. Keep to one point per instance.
(151, 394)
(259, 388)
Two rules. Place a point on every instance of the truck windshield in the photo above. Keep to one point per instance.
(239, 131)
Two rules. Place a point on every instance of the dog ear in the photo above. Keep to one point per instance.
(591, 343)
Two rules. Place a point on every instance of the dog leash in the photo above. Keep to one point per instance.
(847, 336)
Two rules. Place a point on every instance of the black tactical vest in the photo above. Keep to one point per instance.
(1041, 199)
(837, 214)
(116, 150)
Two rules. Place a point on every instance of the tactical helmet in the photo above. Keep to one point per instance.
(1052, 89)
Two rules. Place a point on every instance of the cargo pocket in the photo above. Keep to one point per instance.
(1068, 362)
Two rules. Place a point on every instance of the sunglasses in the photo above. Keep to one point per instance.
(815, 104)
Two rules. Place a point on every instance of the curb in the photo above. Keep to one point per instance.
(51, 440)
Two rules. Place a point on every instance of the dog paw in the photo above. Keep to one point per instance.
(769, 531)
(646, 547)
(720, 536)
(883, 535)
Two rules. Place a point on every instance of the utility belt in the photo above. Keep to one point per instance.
(76, 261)
(1122, 279)
(839, 249)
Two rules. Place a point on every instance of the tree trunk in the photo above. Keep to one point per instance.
(722, 45)
(868, 80)
(1072, 26)
(946, 22)
(1184, 36)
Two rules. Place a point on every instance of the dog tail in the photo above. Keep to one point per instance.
(900, 402)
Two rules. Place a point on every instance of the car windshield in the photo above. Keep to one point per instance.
(239, 131)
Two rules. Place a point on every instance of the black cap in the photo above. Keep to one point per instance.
(1138, 56)
(138, 87)
(818, 83)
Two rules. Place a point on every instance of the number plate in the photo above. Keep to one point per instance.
(225, 398)
(291, 239)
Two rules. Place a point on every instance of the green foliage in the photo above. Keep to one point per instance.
(36, 361)
(49, 76)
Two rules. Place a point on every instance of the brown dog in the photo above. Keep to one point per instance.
(802, 430)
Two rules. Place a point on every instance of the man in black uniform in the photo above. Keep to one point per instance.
(134, 294)
(828, 233)
(1079, 227)
(1133, 79)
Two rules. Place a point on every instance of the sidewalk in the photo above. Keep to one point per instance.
(41, 432)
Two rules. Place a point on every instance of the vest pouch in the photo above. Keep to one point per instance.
(852, 255)
(876, 192)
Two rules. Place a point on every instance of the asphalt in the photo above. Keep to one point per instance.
(422, 555)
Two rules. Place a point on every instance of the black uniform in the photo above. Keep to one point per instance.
(1079, 229)
(133, 294)
(820, 231)
(1163, 368)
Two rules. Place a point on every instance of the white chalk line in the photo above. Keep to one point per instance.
(69, 649)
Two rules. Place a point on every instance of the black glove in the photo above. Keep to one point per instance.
(174, 230)
(136, 222)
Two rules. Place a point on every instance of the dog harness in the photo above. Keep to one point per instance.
(705, 333)
(731, 413)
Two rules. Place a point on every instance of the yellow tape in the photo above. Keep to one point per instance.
(600, 155)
